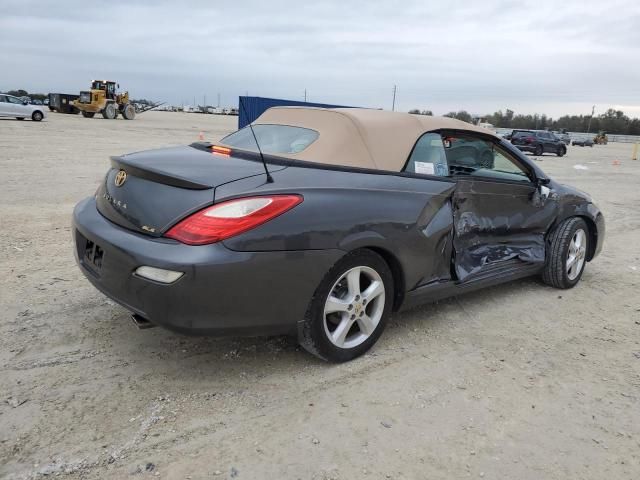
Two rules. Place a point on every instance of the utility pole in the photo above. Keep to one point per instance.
(204, 104)
(393, 105)
(218, 100)
(305, 95)
(593, 109)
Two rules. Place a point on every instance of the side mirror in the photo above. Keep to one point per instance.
(542, 181)
(544, 190)
(24, 102)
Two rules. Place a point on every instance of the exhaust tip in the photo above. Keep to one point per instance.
(141, 323)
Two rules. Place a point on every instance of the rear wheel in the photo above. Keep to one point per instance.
(350, 308)
(538, 151)
(129, 112)
(109, 111)
(37, 116)
(566, 253)
(88, 114)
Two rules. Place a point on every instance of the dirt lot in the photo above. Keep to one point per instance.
(520, 381)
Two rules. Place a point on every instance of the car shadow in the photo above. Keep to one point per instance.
(220, 354)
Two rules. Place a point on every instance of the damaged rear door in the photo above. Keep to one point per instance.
(499, 218)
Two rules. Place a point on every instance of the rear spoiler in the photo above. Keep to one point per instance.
(148, 173)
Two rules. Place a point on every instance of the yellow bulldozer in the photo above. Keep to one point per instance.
(601, 138)
(104, 98)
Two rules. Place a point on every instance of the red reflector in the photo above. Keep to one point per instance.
(227, 219)
(221, 150)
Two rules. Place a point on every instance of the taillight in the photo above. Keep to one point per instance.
(221, 150)
(529, 139)
(227, 219)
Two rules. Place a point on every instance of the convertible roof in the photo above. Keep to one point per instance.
(361, 137)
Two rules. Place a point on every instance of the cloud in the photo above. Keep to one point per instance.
(478, 56)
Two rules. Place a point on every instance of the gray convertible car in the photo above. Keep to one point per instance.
(320, 223)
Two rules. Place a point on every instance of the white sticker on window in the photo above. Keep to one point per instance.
(425, 168)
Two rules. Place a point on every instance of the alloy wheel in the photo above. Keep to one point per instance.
(576, 254)
(354, 307)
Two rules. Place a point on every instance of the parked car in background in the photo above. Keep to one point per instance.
(11, 106)
(341, 217)
(585, 142)
(538, 142)
(566, 139)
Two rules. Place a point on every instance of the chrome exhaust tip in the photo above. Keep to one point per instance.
(140, 322)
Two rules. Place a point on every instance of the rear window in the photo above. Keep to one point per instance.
(273, 139)
(522, 134)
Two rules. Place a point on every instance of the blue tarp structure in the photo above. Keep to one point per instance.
(255, 106)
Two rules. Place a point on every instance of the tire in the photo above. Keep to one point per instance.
(19, 118)
(561, 151)
(128, 112)
(88, 114)
(37, 116)
(538, 151)
(109, 111)
(567, 249)
(347, 282)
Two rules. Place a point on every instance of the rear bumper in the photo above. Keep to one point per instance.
(222, 291)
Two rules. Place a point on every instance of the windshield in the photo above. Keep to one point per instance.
(274, 139)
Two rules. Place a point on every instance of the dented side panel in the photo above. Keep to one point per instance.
(498, 221)
(438, 231)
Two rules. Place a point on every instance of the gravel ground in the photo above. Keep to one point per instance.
(519, 381)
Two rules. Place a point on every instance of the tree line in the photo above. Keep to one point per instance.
(24, 93)
(612, 121)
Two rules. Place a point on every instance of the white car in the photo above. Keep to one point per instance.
(11, 106)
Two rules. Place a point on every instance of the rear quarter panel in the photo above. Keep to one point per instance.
(410, 218)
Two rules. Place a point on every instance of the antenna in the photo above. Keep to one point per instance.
(264, 163)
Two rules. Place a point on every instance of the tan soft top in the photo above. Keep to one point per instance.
(360, 137)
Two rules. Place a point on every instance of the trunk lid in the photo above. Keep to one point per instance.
(150, 191)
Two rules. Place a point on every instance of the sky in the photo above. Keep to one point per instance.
(552, 57)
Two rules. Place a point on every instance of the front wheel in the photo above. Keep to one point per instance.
(350, 307)
(567, 249)
(128, 112)
(109, 112)
(561, 151)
